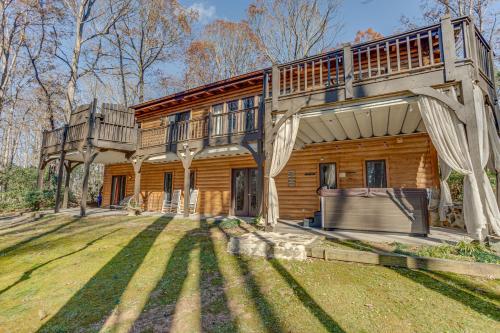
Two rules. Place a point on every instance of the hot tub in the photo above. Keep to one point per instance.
(400, 210)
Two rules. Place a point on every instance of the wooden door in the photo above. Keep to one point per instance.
(117, 189)
(244, 192)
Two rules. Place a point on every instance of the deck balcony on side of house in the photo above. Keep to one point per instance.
(432, 55)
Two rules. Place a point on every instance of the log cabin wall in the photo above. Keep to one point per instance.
(410, 160)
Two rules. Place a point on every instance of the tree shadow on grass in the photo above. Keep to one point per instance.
(163, 302)
(267, 313)
(314, 308)
(93, 304)
(33, 238)
(451, 287)
(216, 315)
(27, 275)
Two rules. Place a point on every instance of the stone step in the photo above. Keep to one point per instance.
(272, 245)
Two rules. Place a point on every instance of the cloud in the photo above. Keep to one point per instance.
(205, 12)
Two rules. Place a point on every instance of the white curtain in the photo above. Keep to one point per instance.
(491, 211)
(282, 150)
(445, 200)
(494, 140)
(448, 136)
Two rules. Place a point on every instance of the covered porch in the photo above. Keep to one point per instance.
(351, 149)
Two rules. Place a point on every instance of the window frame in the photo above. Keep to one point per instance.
(385, 179)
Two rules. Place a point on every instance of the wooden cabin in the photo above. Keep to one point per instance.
(359, 127)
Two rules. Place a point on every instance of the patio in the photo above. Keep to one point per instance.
(437, 236)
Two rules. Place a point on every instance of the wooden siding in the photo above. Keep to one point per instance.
(411, 162)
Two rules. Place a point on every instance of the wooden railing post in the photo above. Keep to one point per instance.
(471, 38)
(447, 42)
(348, 70)
(275, 87)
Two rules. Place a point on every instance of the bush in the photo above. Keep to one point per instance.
(19, 190)
(463, 250)
(228, 223)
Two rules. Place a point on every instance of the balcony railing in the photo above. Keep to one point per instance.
(414, 51)
(213, 126)
(113, 125)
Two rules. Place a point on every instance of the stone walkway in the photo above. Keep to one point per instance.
(437, 236)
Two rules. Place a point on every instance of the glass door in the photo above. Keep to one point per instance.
(244, 192)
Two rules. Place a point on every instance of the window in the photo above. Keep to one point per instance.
(248, 103)
(192, 180)
(217, 120)
(376, 174)
(328, 175)
(232, 108)
(249, 117)
(218, 108)
(167, 186)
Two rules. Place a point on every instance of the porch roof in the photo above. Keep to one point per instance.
(359, 121)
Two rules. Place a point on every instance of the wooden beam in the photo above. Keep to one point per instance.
(60, 170)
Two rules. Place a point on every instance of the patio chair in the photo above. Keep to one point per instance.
(173, 205)
(122, 204)
(193, 201)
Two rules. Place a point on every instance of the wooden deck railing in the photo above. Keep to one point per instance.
(215, 125)
(484, 56)
(414, 51)
(113, 125)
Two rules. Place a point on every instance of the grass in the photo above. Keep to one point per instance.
(150, 274)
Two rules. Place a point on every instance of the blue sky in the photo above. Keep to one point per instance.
(381, 15)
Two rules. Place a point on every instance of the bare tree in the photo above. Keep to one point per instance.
(226, 49)
(13, 23)
(91, 21)
(293, 29)
(153, 33)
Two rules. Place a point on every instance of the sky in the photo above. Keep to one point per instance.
(381, 15)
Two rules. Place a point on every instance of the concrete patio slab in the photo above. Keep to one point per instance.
(437, 236)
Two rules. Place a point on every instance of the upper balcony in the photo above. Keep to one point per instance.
(353, 70)
(110, 127)
(211, 130)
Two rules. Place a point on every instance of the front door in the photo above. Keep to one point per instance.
(244, 192)
(117, 189)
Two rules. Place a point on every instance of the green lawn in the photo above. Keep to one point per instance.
(150, 274)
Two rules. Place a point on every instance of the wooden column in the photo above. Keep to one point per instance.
(137, 164)
(348, 70)
(69, 167)
(88, 157)
(60, 170)
(88, 153)
(186, 156)
(41, 171)
(447, 40)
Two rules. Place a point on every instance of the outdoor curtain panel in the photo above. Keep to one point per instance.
(282, 149)
(448, 136)
(445, 200)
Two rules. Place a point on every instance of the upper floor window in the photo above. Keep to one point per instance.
(176, 117)
(218, 108)
(232, 106)
(248, 103)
